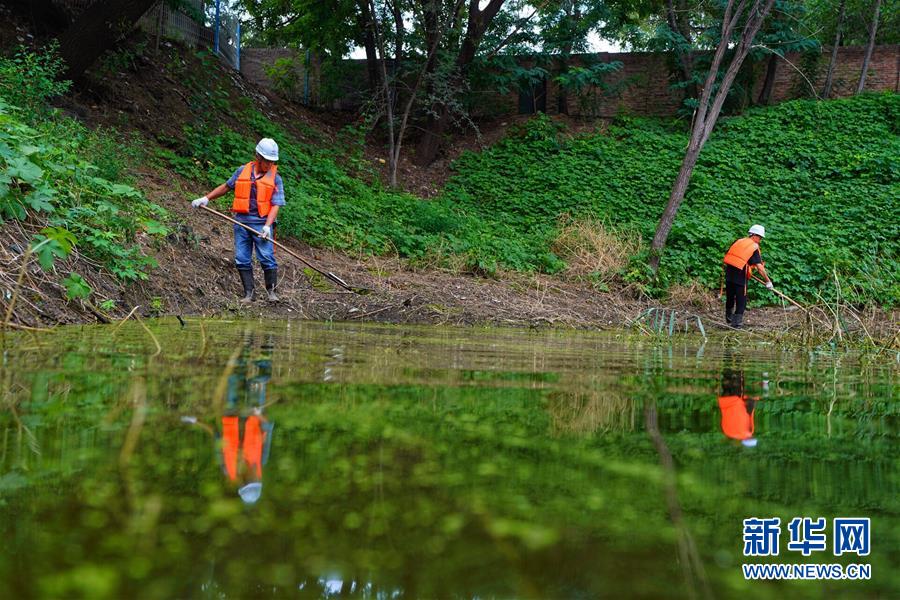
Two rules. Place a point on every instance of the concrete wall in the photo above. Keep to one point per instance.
(256, 61)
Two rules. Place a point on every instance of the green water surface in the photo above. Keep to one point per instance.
(430, 462)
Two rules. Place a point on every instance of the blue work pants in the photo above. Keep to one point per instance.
(245, 242)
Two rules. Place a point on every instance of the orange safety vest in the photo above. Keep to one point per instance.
(254, 439)
(737, 423)
(265, 187)
(740, 253)
(738, 256)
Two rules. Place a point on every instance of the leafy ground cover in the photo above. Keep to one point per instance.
(67, 180)
(822, 176)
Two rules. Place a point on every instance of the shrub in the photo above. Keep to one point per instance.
(28, 80)
(46, 171)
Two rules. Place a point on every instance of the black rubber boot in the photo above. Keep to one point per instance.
(728, 317)
(271, 283)
(247, 282)
(737, 321)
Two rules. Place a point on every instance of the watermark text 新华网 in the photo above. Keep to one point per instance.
(762, 537)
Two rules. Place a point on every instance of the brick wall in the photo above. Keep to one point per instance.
(645, 80)
(643, 84)
(884, 72)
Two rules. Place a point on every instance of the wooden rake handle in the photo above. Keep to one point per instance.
(326, 274)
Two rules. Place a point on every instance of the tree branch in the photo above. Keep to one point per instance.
(515, 30)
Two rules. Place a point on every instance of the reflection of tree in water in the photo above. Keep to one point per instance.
(590, 411)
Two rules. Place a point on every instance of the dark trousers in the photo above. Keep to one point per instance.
(735, 298)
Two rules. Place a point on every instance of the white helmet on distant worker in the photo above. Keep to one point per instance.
(758, 230)
(268, 149)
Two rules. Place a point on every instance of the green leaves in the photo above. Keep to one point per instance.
(52, 243)
(154, 228)
(23, 169)
(40, 198)
(76, 287)
(817, 173)
(812, 172)
(80, 199)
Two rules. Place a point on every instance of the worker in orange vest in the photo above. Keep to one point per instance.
(737, 407)
(741, 259)
(258, 194)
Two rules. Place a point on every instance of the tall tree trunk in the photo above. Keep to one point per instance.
(478, 21)
(707, 113)
(434, 33)
(873, 29)
(399, 34)
(765, 94)
(96, 31)
(365, 21)
(675, 198)
(829, 77)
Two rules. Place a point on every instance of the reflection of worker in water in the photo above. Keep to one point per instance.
(737, 407)
(246, 435)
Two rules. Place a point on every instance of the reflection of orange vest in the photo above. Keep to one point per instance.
(265, 187)
(254, 438)
(736, 422)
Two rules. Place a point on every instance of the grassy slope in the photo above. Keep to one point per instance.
(821, 176)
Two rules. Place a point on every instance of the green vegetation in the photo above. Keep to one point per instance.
(812, 172)
(55, 171)
(329, 207)
(815, 173)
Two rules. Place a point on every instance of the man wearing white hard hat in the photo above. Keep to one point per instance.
(258, 194)
(741, 259)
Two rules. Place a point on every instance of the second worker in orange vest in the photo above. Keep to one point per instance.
(258, 194)
(741, 259)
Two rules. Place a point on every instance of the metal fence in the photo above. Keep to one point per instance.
(164, 21)
(227, 39)
(224, 37)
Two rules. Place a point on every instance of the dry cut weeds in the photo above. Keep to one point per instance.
(593, 249)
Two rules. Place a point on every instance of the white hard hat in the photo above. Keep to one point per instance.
(755, 230)
(268, 149)
(251, 492)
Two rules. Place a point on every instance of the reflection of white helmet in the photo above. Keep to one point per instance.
(250, 493)
(755, 230)
(749, 443)
(268, 149)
